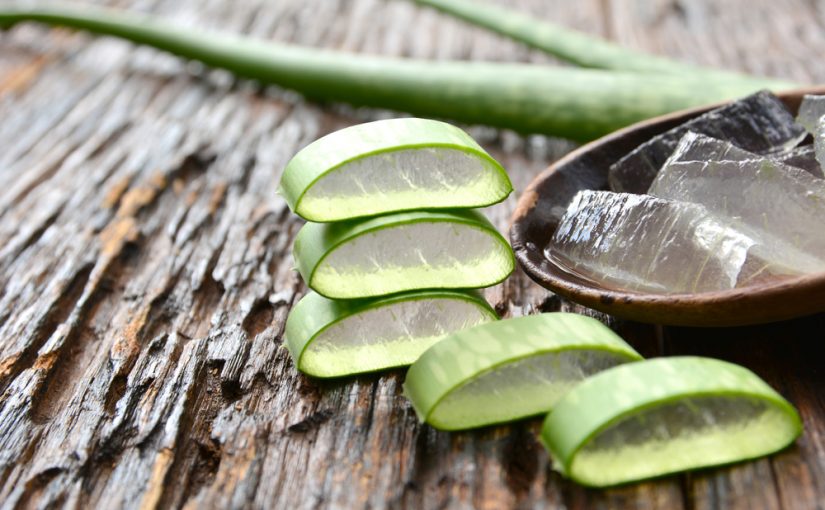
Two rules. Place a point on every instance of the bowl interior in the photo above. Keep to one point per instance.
(543, 203)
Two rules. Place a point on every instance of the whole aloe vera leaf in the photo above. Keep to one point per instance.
(579, 104)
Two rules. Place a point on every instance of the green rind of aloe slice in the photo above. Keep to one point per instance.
(662, 416)
(316, 316)
(441, 384)
(317, 243)
(337, 152)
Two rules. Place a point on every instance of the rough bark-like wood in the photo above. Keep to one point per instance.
(146, 276)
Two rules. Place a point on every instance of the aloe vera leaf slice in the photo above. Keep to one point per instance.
(333, 338)
(401, 252)
(663, 416)
(509, 369)
(389, 166)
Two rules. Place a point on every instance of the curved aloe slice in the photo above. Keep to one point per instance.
(330, 338)
(661, 416)
(390, 166)
(509, 369)
(401, 252)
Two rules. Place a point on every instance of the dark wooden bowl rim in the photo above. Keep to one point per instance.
(536, 217)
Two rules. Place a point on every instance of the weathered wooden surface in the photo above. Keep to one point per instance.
(146, 276)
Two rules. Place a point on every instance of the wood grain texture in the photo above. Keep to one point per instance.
(146, 276)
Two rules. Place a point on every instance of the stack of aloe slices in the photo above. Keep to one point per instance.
(393, 246)
(726, 200)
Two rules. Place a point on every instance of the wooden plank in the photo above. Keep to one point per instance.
(146, 276)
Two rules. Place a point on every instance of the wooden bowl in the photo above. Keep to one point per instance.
(543, 203)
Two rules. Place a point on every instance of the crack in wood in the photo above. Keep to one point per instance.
(520, 460)
(55, 315)
(311, 422)
(194, 464)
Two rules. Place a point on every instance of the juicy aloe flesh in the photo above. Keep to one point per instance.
(663, 415)
(759, 123)
(389, 336)
(811, 109)
(509, 369)
(380, 334)
(819, 142)
(409, 256)
(432, 178)
(803, 157)
(777, 205)
(643, 243)
(812, 117)
(698, 147)
(681, 435)
(521, 389)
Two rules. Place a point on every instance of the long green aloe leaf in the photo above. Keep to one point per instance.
(580, 104)
(510, 369)
(661, 416)
(334, 338)
(569, 45)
